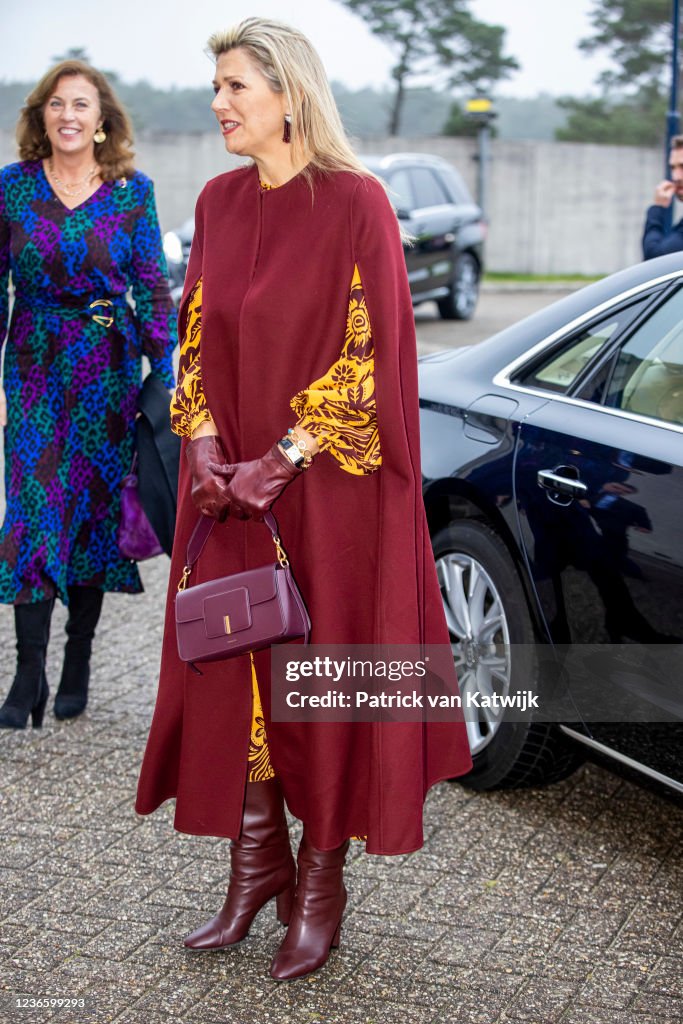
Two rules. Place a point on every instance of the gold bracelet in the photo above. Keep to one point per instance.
(302, 446)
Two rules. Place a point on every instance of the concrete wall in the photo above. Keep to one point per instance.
(555, 207)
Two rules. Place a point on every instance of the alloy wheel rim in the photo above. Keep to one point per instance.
(466, 290)
(480, 639)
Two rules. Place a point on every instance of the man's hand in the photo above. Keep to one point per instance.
(664, 193)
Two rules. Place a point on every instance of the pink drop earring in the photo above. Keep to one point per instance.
(287, 134)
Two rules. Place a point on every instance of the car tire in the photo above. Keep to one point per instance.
(504, 754)
(463, 294)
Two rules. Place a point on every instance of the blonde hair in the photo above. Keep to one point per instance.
(114, 156)
(291, 65)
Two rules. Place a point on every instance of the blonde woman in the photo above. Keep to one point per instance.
(297, 316)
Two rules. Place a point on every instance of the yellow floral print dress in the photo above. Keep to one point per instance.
(338, 409)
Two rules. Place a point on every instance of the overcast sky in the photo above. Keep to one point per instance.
(163, 40)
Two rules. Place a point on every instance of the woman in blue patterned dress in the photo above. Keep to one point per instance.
(78, 229)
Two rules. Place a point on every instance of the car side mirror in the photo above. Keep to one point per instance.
(402, 213)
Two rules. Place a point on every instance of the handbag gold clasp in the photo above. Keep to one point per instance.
(281, 553)
(184, 578)
(104, 321)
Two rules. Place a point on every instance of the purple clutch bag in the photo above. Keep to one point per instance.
(236, 614)
(136, 538)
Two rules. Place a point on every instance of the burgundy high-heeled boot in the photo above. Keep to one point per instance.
(261, 868)
(319, 903)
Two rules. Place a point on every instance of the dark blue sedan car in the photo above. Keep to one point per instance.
(553, 481)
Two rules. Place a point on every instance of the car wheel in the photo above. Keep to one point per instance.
(493, 643)
(463, 294)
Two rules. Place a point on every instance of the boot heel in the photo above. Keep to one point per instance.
(38, 713)
(336, 938)
(283, 905)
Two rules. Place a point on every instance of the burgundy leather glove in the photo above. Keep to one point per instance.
(252, 487)
(209, 490)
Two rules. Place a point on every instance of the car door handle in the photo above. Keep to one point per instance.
(552, 481)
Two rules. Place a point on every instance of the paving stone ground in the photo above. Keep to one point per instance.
(557, 905)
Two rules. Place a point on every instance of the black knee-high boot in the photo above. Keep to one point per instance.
(85, 605)
(29, 692)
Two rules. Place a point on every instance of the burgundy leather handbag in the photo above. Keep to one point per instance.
(236, 614)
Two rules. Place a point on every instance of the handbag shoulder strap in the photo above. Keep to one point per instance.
(202, 532)
(198, 539)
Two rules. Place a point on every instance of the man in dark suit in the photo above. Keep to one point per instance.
(657, 240)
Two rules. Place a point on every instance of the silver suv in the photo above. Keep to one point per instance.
(446, 259)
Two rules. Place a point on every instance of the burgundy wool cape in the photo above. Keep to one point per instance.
(276, 269)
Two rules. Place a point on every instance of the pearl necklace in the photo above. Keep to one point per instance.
(71, 190)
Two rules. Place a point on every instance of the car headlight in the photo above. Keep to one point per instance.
(173, 247)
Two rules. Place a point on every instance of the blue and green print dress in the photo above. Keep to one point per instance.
(72, 372)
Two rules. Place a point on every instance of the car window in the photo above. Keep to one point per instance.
(454, 185)
(428, 190)
(401, 193)
(564, 366)
(647, 378)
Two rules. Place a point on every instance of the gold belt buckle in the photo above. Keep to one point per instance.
(105, 321)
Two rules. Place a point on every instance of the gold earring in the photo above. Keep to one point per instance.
(100, 135)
